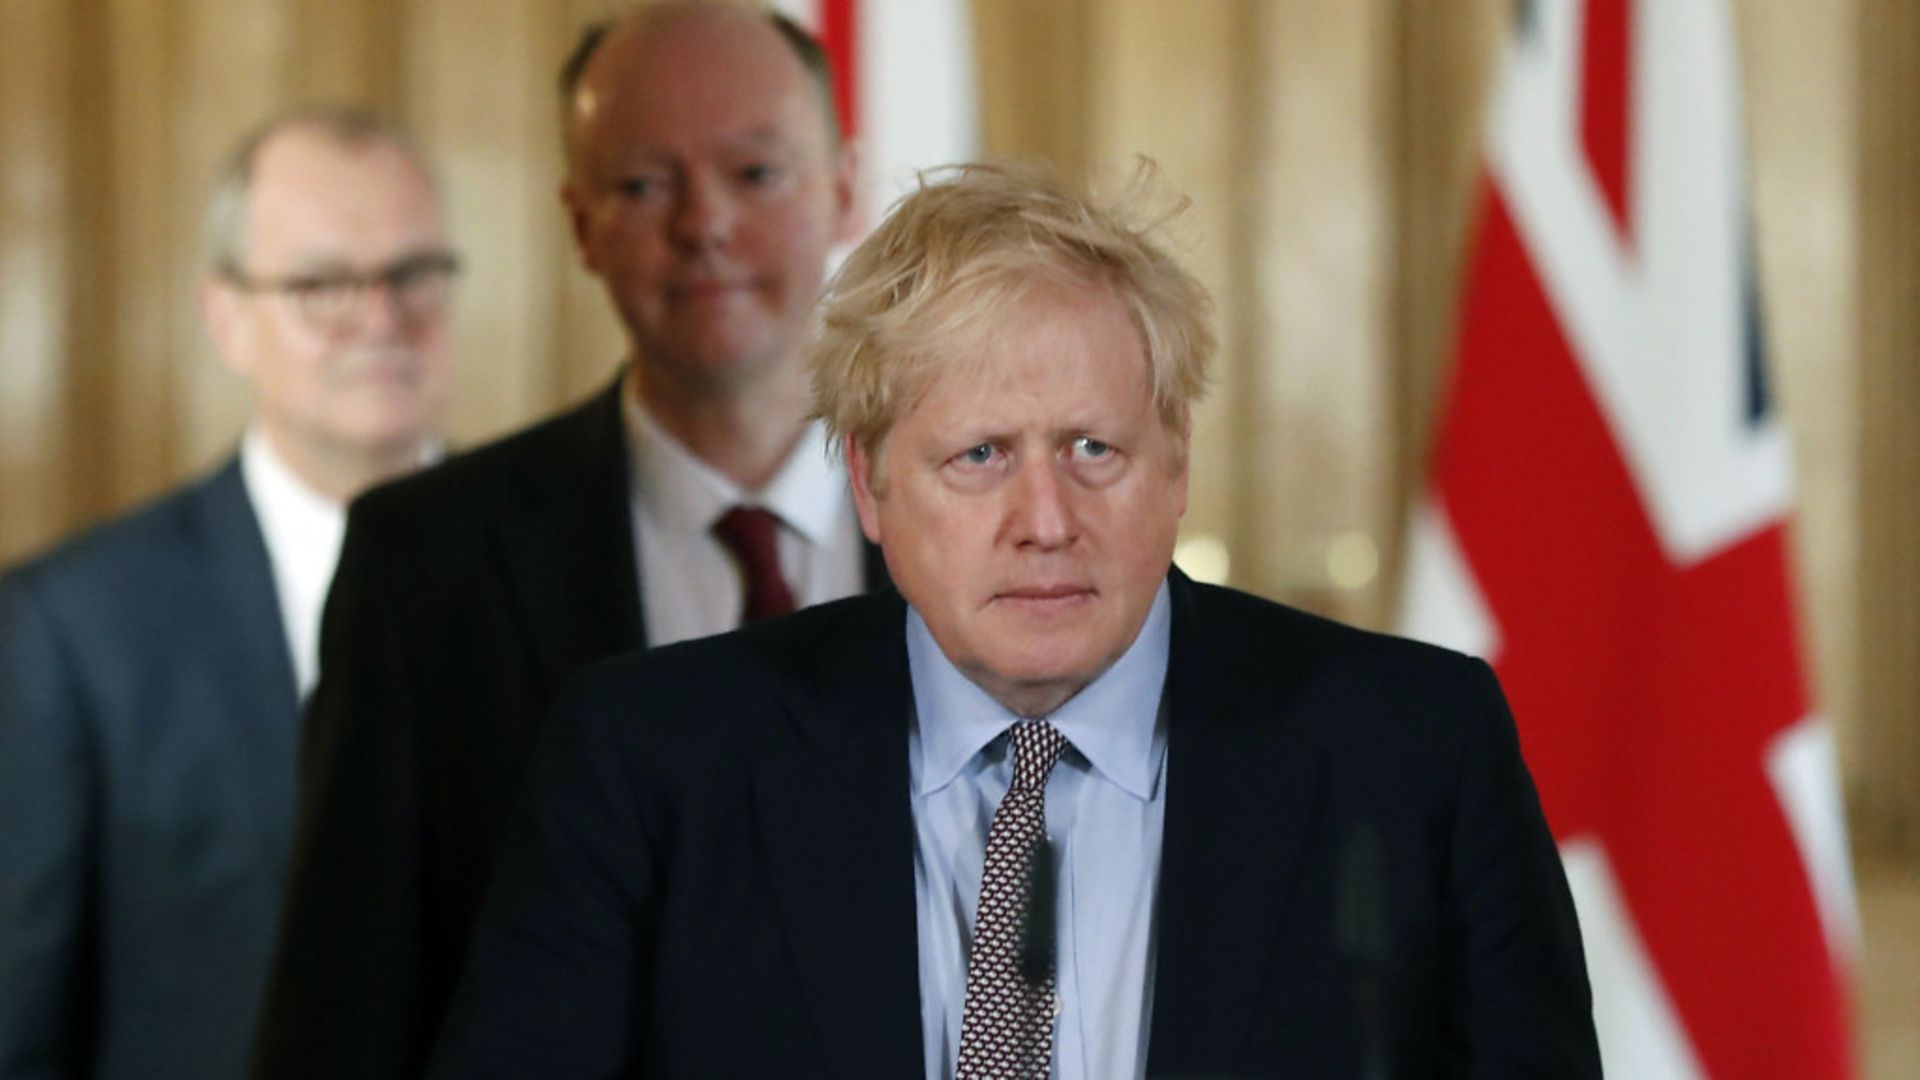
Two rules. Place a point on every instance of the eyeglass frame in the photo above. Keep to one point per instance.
(306, 291)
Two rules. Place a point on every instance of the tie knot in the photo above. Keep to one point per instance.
(1036, 750)
(749, 528)
(752, 535)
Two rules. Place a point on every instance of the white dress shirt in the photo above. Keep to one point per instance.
(690, 585)
(303, 530)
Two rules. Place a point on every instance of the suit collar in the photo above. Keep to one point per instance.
(570, 551)
(837, 828)
(1242, 798)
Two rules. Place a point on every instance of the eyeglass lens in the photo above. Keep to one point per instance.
(420, 287)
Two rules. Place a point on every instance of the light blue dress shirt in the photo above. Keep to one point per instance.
(1105, 809)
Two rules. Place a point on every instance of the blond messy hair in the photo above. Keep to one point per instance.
(933, 282)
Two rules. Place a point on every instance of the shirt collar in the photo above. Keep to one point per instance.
(808, 494)
(1114, 722)
(288, 506)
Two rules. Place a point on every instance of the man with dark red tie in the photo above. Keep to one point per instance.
(1053, 809)
(706, 182)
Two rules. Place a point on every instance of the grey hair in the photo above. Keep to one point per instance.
(347, 125)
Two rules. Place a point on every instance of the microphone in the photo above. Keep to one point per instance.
(1363, 934)
(1043, 900)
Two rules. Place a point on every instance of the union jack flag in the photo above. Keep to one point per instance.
(1607, 523)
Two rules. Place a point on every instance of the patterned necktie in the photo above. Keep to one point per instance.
(753, 536)
(1006, 1030)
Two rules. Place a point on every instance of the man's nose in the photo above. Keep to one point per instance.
(704, 216)
(383, 312)
(1043, 516)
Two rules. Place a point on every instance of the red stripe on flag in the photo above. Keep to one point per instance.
(840, 33)
(1648, 692)
(1606, 104)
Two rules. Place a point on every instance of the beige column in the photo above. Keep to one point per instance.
(1447, 59)
(141, 315)
(1315, 439)
(234, 66)
(35, 255)
(1887, 759)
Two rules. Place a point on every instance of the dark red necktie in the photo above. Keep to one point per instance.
(753, 536)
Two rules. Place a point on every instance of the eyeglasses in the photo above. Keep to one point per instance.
(336, 303)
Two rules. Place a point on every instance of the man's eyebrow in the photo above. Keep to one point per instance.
(330, 264)
(763, 137)
(311, 264)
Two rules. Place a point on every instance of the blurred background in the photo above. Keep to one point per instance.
(1331, 152)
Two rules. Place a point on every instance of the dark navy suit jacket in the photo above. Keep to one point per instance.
(465, 594)
(711, 872)
(148, 724)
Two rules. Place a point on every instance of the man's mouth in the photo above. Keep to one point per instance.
(1045, 597)
(708, 288)
(388, 369)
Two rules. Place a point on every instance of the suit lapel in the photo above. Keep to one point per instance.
(251, 635)
(836, 820)
(242, 576)
(570, 555)
(1242, 797)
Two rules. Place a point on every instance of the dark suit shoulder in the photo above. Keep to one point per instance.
(674, 691)
(736, 692)
(1344, 687)
(116, 562)
(1247, 629)
(501, 476)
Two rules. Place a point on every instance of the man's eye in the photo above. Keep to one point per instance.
(638, 187)
(1091, 449)
(320, 286)
(410, 273)
(759, 174)
(978, 455)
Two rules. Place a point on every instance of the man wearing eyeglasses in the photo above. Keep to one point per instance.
(152, 670)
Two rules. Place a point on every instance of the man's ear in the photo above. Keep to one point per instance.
(579, 205)
(220, 312)
(860, 471)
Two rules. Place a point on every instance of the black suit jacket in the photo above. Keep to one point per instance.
(712, 873)
(464, 595)
(148, 722)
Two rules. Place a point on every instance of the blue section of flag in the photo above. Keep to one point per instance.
(1758, 391)
(1526, 19)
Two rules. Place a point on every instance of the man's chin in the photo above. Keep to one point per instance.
(1031, 671)
(718, 360)
(400, 430)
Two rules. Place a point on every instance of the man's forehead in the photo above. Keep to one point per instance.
(305, 156)
(636, 148)
(1027, 389)
(1008, 359)
(726, 76)
(315, 198)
